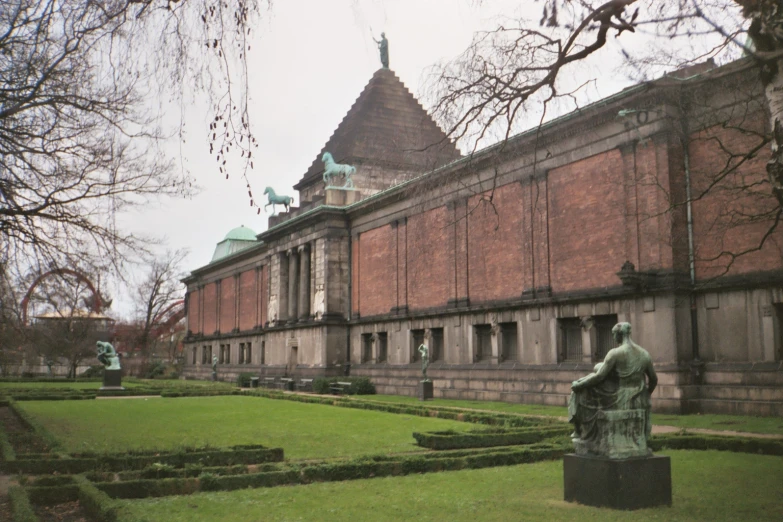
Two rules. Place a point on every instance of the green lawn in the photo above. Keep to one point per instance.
(707, 486)
(304, 431)
(771, 425)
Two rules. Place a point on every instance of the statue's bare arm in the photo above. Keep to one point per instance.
(599, 376)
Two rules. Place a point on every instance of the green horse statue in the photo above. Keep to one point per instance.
(333, 170)
(273, 199)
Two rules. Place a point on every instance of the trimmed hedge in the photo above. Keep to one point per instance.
(149, 488)
(443, 440)
(48, 379)
(51, 495)
(693, 441)
(252, 454)
(6, 449)
(173, 393)
(21, 510)
(363, 468)
(359, 385)
(97, 504)
(189, 471)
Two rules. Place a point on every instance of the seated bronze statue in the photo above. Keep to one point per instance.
(610, 408)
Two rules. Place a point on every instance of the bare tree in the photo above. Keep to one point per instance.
(525, 68)
(62, 329)
(155, 296)
(79, 138)
(11, 331)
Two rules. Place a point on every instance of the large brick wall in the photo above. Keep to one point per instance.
(194, 312)
(495, 245)
(731, 197)
(227, 304)
(378, 268)
(430, 259)
(586, 223)
(248, 300)
(210, 308)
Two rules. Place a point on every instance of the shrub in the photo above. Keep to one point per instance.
(243, 380)
(359, 385)
(155, 369)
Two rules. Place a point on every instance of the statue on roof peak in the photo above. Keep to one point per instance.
(383, 47)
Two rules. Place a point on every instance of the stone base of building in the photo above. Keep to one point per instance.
(628, 484)
(425, 392)
(112, 380)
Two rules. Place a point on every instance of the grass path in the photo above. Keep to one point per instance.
(707, 486)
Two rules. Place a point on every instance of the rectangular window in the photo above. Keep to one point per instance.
(366, 347)
(383, 344)
(195, 354)
(417, 339)
(241, 353)
(603, 335)
(483, 341)
(436, 344)
(508, 342)
(222, 354)
(570, 339)
(204, 355)
(248, 353)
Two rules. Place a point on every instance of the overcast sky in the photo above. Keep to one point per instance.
(310, 60)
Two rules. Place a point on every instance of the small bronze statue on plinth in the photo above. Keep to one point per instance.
(425, 390)
(112, 373)
(610, 410)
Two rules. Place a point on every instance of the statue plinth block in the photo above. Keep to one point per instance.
(425, 392)
(341, 197)
(633, 483)
(112, 380)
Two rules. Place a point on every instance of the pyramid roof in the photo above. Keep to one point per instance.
(386, 126)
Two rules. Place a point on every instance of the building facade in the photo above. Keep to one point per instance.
(513, 264)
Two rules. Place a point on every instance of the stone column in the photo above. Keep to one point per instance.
(293, 284)
(304, 282)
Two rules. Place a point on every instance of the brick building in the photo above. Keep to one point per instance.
(514, 263)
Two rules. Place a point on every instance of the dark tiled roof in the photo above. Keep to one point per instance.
(386, 126)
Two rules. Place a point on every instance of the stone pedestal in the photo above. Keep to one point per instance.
(425, 391)
(112, 380)
(633, 483)
(341, 197)
(214, 376)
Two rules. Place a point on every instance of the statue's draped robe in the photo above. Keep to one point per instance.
(623, 389)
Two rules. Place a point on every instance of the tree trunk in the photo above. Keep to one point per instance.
(773, 92)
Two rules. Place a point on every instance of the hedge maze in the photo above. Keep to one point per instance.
(50, 476)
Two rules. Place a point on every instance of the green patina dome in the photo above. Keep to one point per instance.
(241, 234)
(237, 239)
